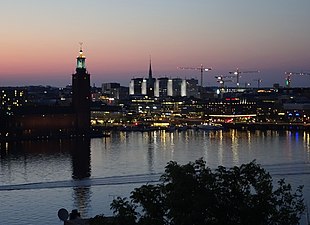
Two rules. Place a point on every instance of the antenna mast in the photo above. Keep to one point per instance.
(81, 45)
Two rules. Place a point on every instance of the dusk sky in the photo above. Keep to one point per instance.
(40, 39)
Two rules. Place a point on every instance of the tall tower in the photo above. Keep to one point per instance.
(150, 82)
(81, 94)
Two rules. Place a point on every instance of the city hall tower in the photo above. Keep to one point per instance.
(81, 95)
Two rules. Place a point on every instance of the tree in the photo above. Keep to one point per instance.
(194, 194)
(124, 210)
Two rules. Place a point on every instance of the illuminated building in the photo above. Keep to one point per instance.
(161, 87)
(114, 90)
(231, 108)
(12, 97)
(176, 87)
(191, 88)
(143, 86)
(137, 86)
(81, 94)
(33, 121)
(111, 90)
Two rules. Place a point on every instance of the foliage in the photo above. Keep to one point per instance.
(194, 194)
(98, 220)
(125, 214)
(124, 210)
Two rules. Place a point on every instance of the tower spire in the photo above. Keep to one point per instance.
(150, 81)
(150, 69)
(80, 64)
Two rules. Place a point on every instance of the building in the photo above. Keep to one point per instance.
(33, 121)
(231, 109)
(111, 90)
(11, 97)
(115, 91)
(81, 95)
(161, 87)
(143, 86)
(137, 86)
(191, 88)
(177, 87)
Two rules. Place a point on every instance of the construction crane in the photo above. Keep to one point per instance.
(238, 72)
(201, 68)
(288, 77)
(221, 79)
(258, 82)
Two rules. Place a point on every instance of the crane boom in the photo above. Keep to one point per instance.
(258, 82)
(288, 77)
(238, 72)
(201, 68)
(221, 80)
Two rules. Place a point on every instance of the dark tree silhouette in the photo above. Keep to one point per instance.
(196, 195)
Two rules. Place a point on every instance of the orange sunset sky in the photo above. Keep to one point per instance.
(40, 39)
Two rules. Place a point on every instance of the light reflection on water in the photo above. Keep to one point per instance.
(283, 154)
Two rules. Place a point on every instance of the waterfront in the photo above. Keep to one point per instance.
(38, 178)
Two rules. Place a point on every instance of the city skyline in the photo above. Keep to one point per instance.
(40, 40)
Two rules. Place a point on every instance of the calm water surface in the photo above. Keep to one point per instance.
(39, 178)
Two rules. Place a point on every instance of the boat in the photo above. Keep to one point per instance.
(210, 126)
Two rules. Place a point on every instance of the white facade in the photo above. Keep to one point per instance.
(170, 88)
(132, 87)
(165, 87)
(156, 88)
(183, 88)
(144, 87)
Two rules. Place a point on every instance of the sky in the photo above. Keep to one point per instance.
(40, 40)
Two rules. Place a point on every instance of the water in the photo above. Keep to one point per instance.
(38, 178)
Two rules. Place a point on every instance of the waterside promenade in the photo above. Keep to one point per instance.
(268, 126)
